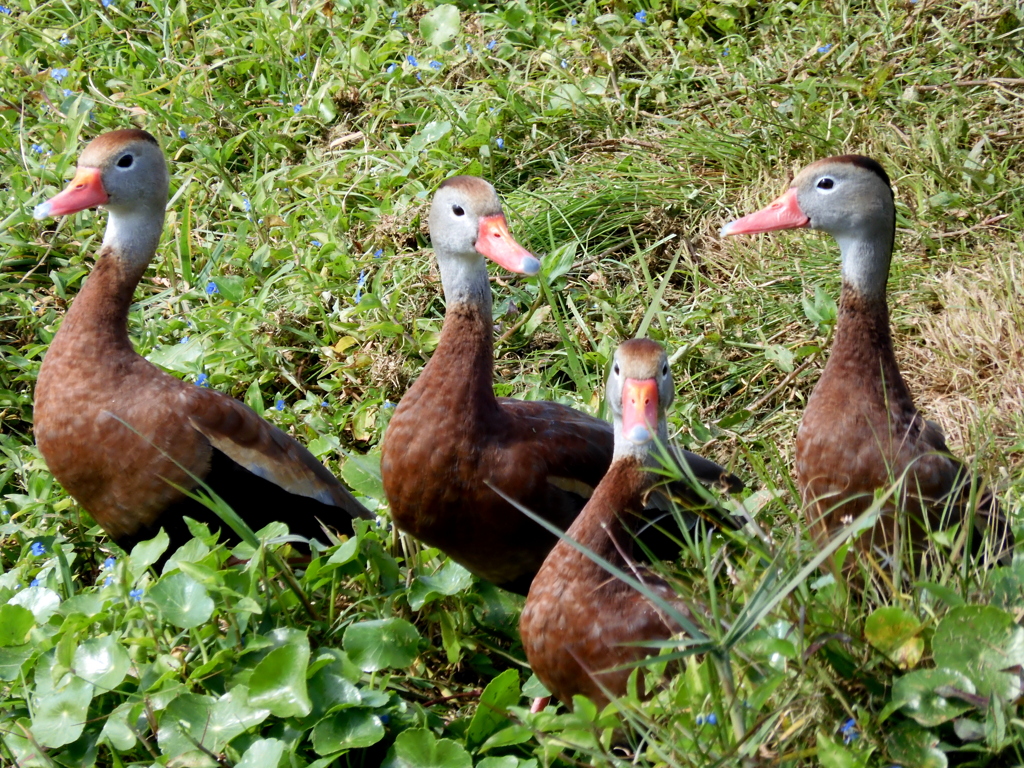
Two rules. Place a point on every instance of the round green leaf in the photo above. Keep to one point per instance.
(894, 632)
(102, 661)
(262, 753)
(440, 25)
(374, 645)
(980, 641)
(182, 600)
(183, 724)
(911, 745)
(16, 622)
(348, 729)
(450, 580)
(924, 695)
(59, 716)
(42, 601)
(491, 714)
(278, 682)
(419, 748)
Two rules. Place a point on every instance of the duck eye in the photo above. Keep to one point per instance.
(125, 161)
(615, 369)
(664, 370)
(826, 183)
(457, 210)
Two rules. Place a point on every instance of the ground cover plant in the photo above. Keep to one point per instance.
(305, 139)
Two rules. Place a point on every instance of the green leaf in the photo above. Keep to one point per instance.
(16, 622)
(41, 601)
(12, 659)
(262, 753)
(347, 729)
(419, 748)
(980, 641)
(182, 600)
(279, 681)
(183, 724)
(60, 715)
(925, 695)
(145, 553)
(102, 661)
(362, 475)
(895, 632)
(832, 754)
(231, 287)
(912, 746)
(440, 25)
(374, 645)
(451, 579)
(492, 713)
(232, 715)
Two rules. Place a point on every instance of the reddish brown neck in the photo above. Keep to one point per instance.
(461, 369)
(607, 523)
(863, 344)
(97, 322)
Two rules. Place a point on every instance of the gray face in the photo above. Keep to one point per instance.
(844, 199)
(640, 359)
(455, 215)
(135, 177)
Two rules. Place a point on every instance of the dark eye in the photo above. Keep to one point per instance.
(826, 183)
(615, 369)
(125, 161)
(664, 370)
(457, 210)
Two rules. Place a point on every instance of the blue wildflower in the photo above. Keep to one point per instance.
(388, 404)
(412, 60)
(712, 719)
(435, 65)
(37, 548)
(38, 149)
(359, 285)
(202, 380)
(246, 205)
(391, 68)
(378, 253)
(109, 563)
(184, 340)
(297, 108)
(300, 76)
(59, 74)
(211, 288)
(65, 40)
(641, 16)
(299, 58)
(499, 143)
(849, 731)
(565, 64)
(107, 3)
(279, 405)
(394, 17)
(5, 10)
(67, 92)
(492, 45)
(182, 133)
(315, 243)
(34, 583)
(108, 581)
(324, 404)
(700, 720)
(419, 77)
(572, 21)
(469, 48)
(725, 51)
(136, 594)
(825, 48)
(384, 718)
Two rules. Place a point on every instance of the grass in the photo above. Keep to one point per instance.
(295, 271)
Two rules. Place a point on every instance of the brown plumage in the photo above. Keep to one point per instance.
(119, 433)
(861, 431)
(450, 435)
(580, 624)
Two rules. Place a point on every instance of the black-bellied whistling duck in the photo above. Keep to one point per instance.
(580, 624)
(860, 431)
(450, 435)
(119, 433)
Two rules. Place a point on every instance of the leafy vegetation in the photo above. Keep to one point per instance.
(305, 140)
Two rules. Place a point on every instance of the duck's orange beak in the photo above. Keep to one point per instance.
(639, 410)
(783, 213)
(496, 243)
(84, 191)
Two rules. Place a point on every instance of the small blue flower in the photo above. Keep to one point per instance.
(65, 40)
(107, 3)
(34, 583)
(492, 45)
(184, 340)
(315, 243)
(700, 720)
(136, 594)
(5, 10)
(182, 133)
(725, 51)
(299, 58)
(211, 288)
(499, 143)
(59, 74)
(108, 581)
(825, 48)
(435, 65)
(712, 719)
(412, 60)
(38, 149)
(300, 76)
(202, 380)
(67, 92)
(246, 205)
(297, 108)
(109, 563)
(37, 548)
(469, 48)
(279, 405)
(419, 77)
(394, 17)
(378, 253)
(324, 404)
(572, 21)
(388, 404)
(391, 68)
(641, 16)
(565, 64)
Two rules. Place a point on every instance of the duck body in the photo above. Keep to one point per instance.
(450, 436)
(861, 431)
(580, 624)
(125, 438)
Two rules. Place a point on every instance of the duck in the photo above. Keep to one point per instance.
(860, 431)
(130, 442)
(580, 625)
(452, 445)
